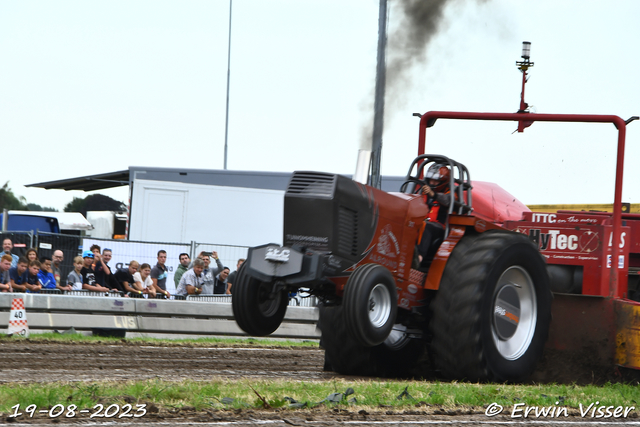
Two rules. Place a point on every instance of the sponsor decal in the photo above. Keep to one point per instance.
(620, 261)
(307, 239)
(388, 243)
(412, 288)
(277, 254)
(390, 264)
(547, 218)
(586, 241)
(333, 261)
(503, 312)
(443, 250)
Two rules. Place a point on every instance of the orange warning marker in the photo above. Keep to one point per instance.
(18, 319)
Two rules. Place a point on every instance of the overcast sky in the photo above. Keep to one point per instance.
(96, 86)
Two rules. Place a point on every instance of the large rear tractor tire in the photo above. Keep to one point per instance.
(257, 309)
(342, 354)
(491, 314)
(402, 353)
(370, 304)
(396, 356)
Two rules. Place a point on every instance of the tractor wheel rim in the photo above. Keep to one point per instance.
(514, 313)
(267, 306)
(398, 337)
(379, 305)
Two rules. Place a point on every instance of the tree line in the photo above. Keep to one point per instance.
(93, 202)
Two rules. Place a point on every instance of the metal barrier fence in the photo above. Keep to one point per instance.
(124, 251)
(229, 255)
(85, 313)
(295, 300)
(69, 244)
(22, 240)
(45, 244)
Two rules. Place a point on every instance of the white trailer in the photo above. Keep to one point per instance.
(224, 207)
(164, 211)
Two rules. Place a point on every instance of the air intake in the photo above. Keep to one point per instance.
(312, 184)
(347, 231)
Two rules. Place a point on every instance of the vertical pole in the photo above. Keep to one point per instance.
(226, 121)
(523, 105)
(616, 250)
(378, 106)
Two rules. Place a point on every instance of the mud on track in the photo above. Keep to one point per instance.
(24, 361)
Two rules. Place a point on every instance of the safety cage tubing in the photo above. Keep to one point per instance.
(459, 181)
(524, 120)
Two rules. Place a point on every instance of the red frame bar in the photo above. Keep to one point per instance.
(522, 118)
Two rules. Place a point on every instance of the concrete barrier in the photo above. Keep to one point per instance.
(49, 312)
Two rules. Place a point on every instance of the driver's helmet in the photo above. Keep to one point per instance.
(440, 173)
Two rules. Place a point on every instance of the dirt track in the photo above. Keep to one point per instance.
(25, 361)
(46, 362)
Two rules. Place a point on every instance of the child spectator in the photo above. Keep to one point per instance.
(46, 277)
(142, 281)
(74, 279)
(124, 276)
(5, 266)
(32, 283)
(88, 275)
(18, 275)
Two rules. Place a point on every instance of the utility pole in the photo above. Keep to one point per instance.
(226, 120)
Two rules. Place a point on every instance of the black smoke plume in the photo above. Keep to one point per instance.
(419, 22)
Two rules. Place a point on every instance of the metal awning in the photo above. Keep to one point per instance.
(88, 183)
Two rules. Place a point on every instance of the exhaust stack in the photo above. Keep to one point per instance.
(362, 166)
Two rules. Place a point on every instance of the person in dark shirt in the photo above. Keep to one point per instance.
(5, 279)
(100, 268)
(232, 277)
(124, 276)
(220, 281)
(159, 275)
(18, 275)
(33, 284)
(88, 275)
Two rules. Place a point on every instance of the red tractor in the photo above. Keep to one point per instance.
(482, 308)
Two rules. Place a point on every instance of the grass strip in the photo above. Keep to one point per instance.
(355, 394)
(204, 342)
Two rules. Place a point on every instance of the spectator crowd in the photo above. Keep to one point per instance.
(91, 272)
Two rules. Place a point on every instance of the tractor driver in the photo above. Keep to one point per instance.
(437, 192)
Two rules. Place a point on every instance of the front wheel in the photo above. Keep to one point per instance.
(491, 314)
(257, 308)
(370, 304)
